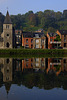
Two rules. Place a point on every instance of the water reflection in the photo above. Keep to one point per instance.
(46, 73)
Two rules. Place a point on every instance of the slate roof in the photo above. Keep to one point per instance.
(31, 35)
(7, 19)
(52, 34)
(63, 32)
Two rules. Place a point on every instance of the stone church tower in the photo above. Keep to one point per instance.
(7, 34)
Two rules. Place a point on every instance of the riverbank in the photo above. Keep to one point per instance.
(33, 52)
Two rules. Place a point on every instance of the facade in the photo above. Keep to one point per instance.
(18, 38)
(52, 42)
(7, 37)
(34, 40)
(6, 66)
(63, 35)
(27, 40)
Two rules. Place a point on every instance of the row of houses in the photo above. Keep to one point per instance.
(30, 40)
(39, 40)
(11, 38)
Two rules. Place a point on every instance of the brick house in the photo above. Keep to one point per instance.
(52, 43)
(63, 36)
(33, 40)
(27, 39)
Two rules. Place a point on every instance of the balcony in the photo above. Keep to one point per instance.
(58, 63)
(55, 42)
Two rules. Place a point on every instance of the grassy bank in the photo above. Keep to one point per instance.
(33, 53)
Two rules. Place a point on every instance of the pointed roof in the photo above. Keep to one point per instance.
(7, 19)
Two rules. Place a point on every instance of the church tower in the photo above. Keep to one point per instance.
(7, 32)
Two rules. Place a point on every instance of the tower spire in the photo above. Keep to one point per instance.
(7, 19)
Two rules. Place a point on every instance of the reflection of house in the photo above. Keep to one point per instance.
(64, 64)
(63, 35)
(54, 65)
(6, 69)
(27, 64)
(33, 63)
(18, 65)
(39, 63)
(52, 43)
(33, 40)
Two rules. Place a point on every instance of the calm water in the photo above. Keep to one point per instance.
(33, 79)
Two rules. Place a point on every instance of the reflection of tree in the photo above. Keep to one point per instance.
(41, 80)
(37, 79)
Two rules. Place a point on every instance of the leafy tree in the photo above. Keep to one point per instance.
(57, 38)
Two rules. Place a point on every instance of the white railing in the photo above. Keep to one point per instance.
(55, 63)
(56, 42)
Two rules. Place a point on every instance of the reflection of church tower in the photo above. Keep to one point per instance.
(7, 32)
(7, 69)
(7, 87)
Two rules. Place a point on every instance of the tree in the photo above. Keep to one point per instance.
(51, 29)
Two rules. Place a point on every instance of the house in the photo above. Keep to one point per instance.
(63, 36)
(27, 39)
(33, 40)
(18, 38)
(39, 41)
(54, 40)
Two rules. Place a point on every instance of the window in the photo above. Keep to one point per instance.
(31, 59)
(37, 46)
(37, 41)
(7, 71)
(7, 78)
(42, 40)
(37, 59)
(26, 65)
(36, 35)
(64, 60)
(31, 40)
(7, 45)
(37, 64)
(27, 46)
(31, 45)
(26, 40)
(7, 26)
(7, 34)
(64, 38)
(50, 39)
(64, 44)
(7, 61)
(31, 65)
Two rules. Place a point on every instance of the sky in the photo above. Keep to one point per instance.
(22, 6)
